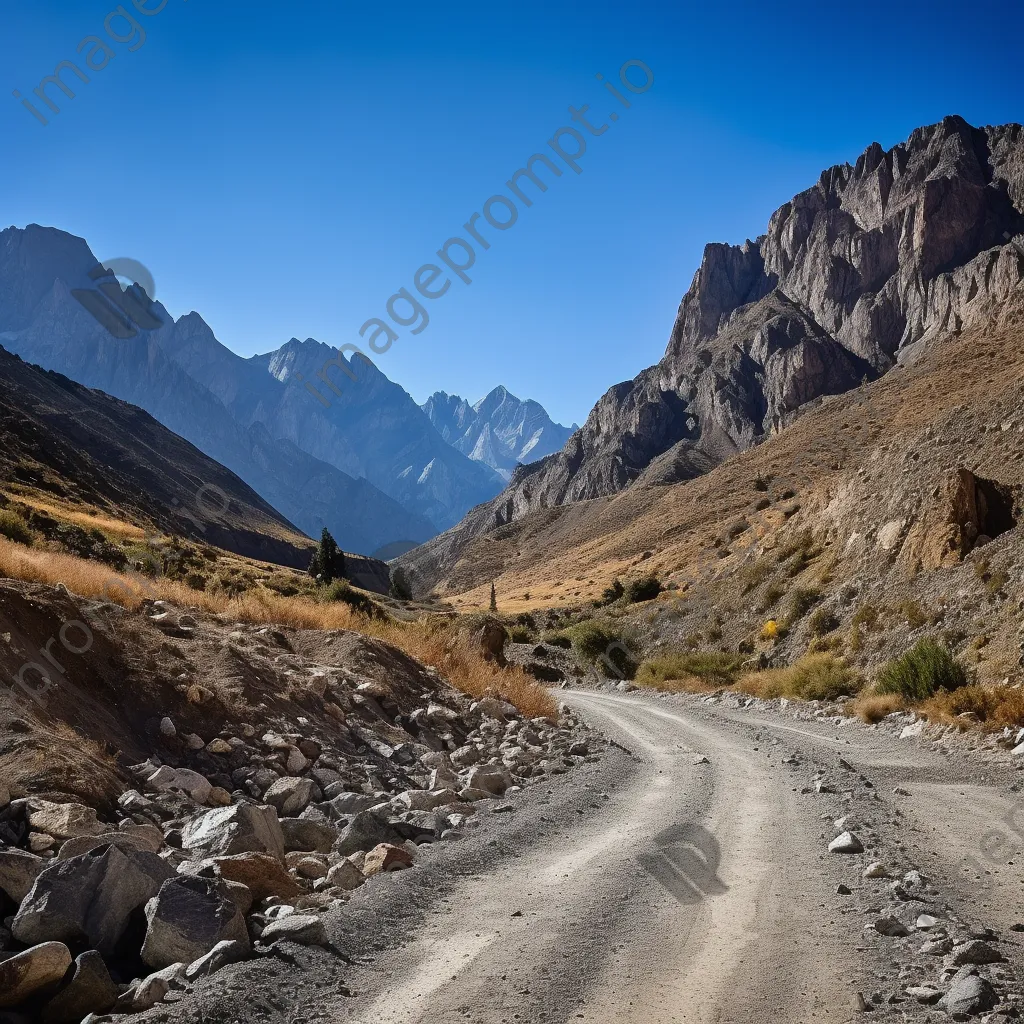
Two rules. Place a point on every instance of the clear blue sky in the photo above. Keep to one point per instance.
(284, 168)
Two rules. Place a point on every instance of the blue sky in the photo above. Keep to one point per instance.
(284, 169)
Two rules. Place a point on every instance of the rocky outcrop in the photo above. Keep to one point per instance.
(878, 259)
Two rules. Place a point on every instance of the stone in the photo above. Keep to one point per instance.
(876, 870)
(18, 871)
(925, 922)
(490, 638)
(890, 926)
(150, 991)
(63, 821)
(135, 837)
(969, 994)
(222, 955)
(308, 835)
(91, 990)
(346, 804)
(240, 828)
(925, 994)
(180, 780)
(386, 857)
(33, 972)
(846, 843)
(306, 866)
(306, 930)
(90, 898)
(218, 797)
(296, 761)
(975, 951)
(219, 746)
(40, 842)
(345, 875)
(491, 778)
(290, 796)
(263, 874)
(193, 742)
(426, 800)
(167, 729)
(187, 918)
(364, 832)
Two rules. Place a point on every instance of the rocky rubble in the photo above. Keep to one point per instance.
(227, 844)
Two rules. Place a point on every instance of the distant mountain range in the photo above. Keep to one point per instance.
(501, 431)
(370, 467)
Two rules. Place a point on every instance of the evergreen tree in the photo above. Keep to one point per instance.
(328, 562)
(494, 598)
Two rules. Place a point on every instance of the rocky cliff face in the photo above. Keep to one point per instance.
(864, 269)
(500, 431)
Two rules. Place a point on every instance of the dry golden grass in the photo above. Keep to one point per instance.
(813, 677)
(85, 519)
(684, 684)
(995, 706)
(433, 643)
(873, 707)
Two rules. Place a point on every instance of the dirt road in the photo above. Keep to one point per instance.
(689, 882)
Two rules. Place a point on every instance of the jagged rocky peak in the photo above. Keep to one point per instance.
(500, 431)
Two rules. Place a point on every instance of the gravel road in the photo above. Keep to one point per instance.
(683, 878)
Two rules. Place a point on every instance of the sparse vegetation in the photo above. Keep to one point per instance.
(801, 602)
(598, 644)
(328, 562)
(342, 590)
(823, 621)
(611, 594)
(400, 587)
(813, 677)
(922, 671)
(712, 668)
(14, 527)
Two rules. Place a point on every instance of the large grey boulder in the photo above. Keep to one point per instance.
(33, 972)
(89, 899)
(364, 832)
(18, 871)
(63, 821)
(345, 804)
(187, 918)
(490, 778)
(223, 954)
(304, 929)
(91, 990)
(290, 796)
(240, 828)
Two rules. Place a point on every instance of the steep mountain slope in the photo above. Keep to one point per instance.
(856, 274)
(896, 509)
(500, 431)
(82, 446)
(41, 321)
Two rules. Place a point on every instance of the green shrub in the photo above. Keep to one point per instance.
(611, 594)
(645, 588)
(341, 590)
(400, 586)
(922, 671)
(596, 644)
(716, 667)
(824, 620)
(13, 527)
(813, 677)
(801, 602)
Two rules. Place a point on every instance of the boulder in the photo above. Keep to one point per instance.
(151, 990)
(261, 873)
(345, 876)
(345, 804)
(241, 828)
(63, 821)
(180, 780)
(969, 995)
(305, 929)
(308, 866)
(386, 857)
(18, 871)
(223, 954)
(975, 951)
(134, 837)
(187, 918)
(33, 972)
(499, 710)
(490, 638)
(426, 800)
(91, 990)
(290, 796)
(491, 778)
(364, 832)
(308, 835)
(89, 899)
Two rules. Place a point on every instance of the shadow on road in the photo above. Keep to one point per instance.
(685, 861)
